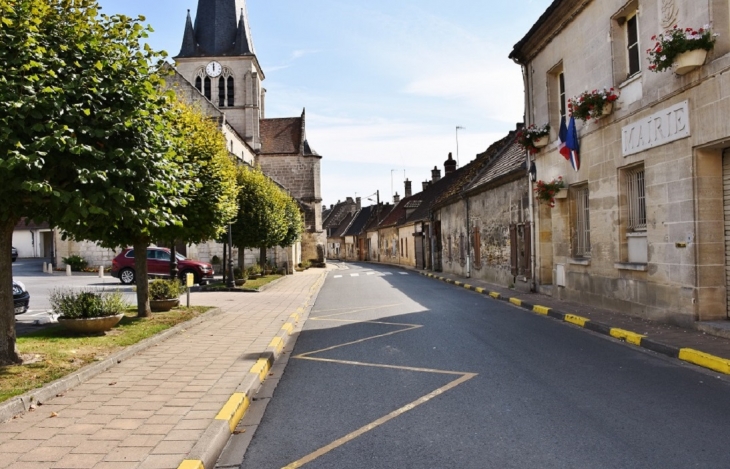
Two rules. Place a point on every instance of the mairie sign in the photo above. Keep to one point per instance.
(658, 129)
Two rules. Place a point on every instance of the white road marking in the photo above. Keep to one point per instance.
(338, 276)
(403, 273)
(371, 273)
(354, 275)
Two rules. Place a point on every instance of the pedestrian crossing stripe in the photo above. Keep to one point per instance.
(403, 273)
(354, 275)
(371, 273)
(338, 276)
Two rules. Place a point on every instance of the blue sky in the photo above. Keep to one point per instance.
(384, 83)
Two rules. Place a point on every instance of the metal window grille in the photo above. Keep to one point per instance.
(582, 222)
(636, 199)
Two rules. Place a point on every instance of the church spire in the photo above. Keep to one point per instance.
(189, 45)
(221, 29)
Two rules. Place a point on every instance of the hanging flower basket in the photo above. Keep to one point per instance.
(688, 61)
(546, 191)
(592, 105)
(533, 137)
(671, 46)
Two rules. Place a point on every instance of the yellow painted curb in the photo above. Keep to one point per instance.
(277, 344)
(234, 409)
(467, 286)
(705, 359)
(295, 317)
(288, 327)
(191, 464)
(458, 284)
(628, 336)
(577, 320)
(261, 368)
(515, 301)
(479, 290)
(541, 309)
(494, 295)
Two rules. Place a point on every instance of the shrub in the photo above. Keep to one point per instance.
(305, 264)
(164, 289)
(77, 304)
(240, 274)
(254, 270)
(77, 263)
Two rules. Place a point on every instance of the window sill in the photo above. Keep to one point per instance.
(630, 80)
(580, 261)
(635, 266)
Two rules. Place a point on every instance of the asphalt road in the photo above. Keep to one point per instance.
(395, 370)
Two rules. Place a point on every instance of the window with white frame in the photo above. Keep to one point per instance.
(562, 103)
(625, 42)
(632, 40)
(636, 199)
(581, 221)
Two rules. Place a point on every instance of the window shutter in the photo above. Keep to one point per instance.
(513, 249)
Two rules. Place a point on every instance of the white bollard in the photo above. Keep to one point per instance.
(101, 271)
(50, 268)
(68, 271)
(45, 269)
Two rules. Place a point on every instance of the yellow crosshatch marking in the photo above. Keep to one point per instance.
(462, 378)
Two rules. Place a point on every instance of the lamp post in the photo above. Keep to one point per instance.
(230, 281)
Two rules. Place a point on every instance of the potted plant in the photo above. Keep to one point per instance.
(546, 191)
(87, 311)
(683, 49)
(240, 276)
(533, 137)
(164, 294)
(592, 104)
(254, 271)
(267, 269)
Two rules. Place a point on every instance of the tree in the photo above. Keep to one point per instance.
(83, 140)
(211, 201)
(266, 215)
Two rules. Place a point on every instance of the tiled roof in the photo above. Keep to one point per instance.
(397, 215)
(509, 160)
(427, 197)
(414, 203)
(281, 136)
(379, 214)
(340, 231)
(361, 219)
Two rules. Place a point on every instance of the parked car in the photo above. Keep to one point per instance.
(21, 297)
(14, 253)
(158, 265)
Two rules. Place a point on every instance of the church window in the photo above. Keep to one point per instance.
(231, 93)
(199, 84)
(207, 87)
(221, 92)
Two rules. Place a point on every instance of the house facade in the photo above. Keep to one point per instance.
(641, 225)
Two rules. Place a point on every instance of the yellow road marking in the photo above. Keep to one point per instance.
(628, 336)
(356, 310)
(577, 320)
(191, 464)
(233, 410)
(362, 430)
(541, 309)
(288, 327)
(705, 359)
(516, 301)
(277, 344)
(261, 368)
(467, 286)
(479, 290)
(458, 284)
(494, 295)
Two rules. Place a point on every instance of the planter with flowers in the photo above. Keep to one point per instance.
(681, 49)
(533, 137)
(547, 191)
(592, 105)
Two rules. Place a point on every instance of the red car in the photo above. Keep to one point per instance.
(158, 265)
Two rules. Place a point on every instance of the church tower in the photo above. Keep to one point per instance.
(218, 57)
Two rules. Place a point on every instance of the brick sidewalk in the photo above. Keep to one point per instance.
(150, 411)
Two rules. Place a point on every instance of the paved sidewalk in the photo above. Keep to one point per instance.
(712, 340)
(159, 407)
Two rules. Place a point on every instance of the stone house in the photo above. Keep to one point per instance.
(372, 239)
(356, 236)
(641, 227)
(332, 225)
(485, 217)
(392, 245)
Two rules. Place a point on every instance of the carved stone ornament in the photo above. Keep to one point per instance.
(669, 13)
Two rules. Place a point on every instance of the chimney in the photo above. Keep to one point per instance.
(435, 174)
(332, 206)
(358, 202)
(396, 198)
(408, 191)
(449, 165)
(425, 184)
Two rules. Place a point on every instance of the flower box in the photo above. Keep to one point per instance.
(690, 60)
(592, 104)
(541, 142)
(607, 109)
(548, 191)
(532, 138)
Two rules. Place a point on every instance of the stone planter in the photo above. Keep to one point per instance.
(240, 281)
(690, 60)
(90, 325)
(162, 306)
(541, 142)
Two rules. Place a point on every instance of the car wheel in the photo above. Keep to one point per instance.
(184, 276)
(126, 276)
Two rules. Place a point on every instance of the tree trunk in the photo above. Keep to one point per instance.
(8, 347)
(262, 258)
(140, 273)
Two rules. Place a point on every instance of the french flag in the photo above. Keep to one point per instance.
(572, 145)
(563, 136)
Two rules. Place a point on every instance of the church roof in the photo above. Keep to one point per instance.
(221, 29)
(281, 136)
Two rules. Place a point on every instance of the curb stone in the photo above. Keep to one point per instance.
(695, 357)
(206, 452)
(20, 404)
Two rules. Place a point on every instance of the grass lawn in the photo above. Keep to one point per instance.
(251, 284)
(53, 353)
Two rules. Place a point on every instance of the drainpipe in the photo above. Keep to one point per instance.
(468, 238)
(528, 120)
